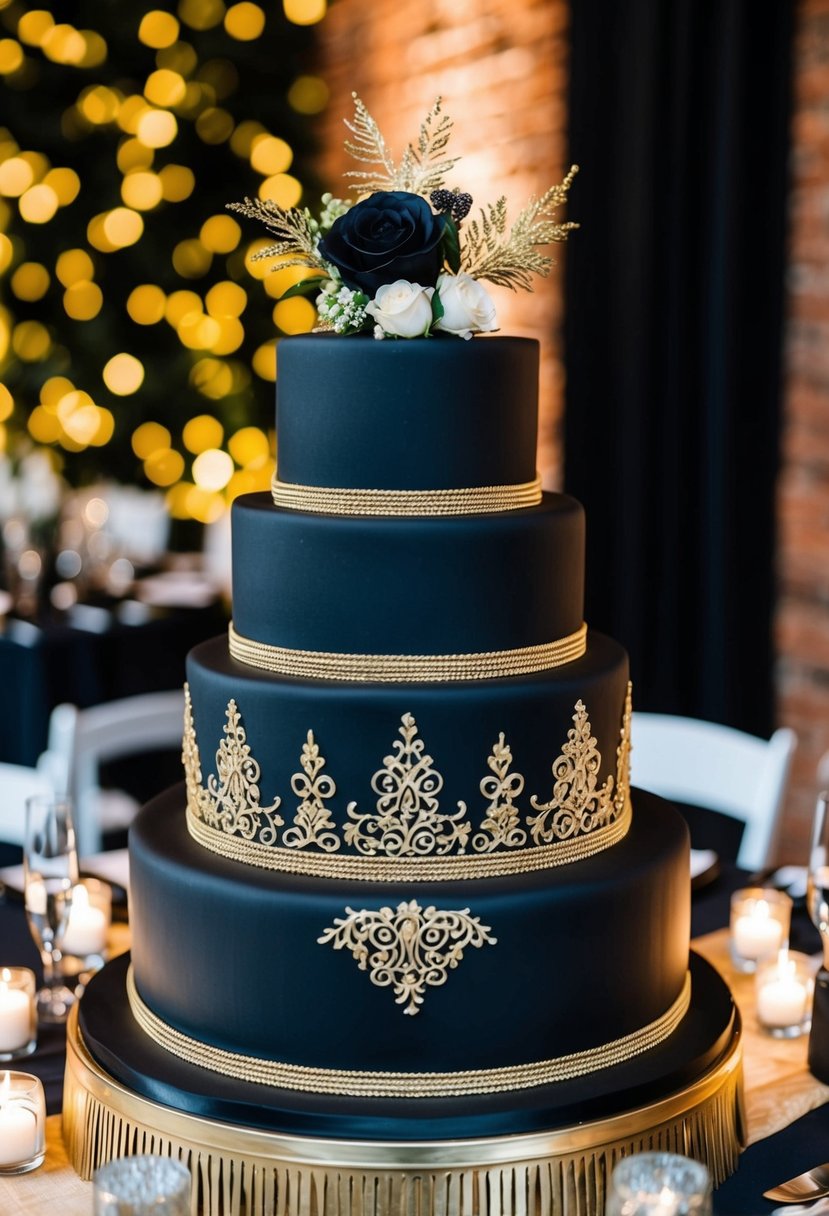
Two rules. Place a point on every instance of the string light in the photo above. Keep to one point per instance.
(245, 21)
(123, 374)
(145, 304)
(74, 266)
(220, 234)
(11, 56)
(304, 12)
(149, 438)
(30, 282)
(33, 26)
(83, 301)
(158, 29)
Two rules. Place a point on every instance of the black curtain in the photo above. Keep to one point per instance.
(679, 117)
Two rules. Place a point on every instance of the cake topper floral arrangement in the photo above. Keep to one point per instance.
(405, 260)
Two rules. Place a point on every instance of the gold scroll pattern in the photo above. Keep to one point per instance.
(408, 822)
(407, 948)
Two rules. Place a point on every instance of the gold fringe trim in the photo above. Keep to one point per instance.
(240, 1171)
(352, 1082)
(407, 668)
(407, 869)
(475, 500)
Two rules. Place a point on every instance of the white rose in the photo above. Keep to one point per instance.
(467, 307)
(403, 309)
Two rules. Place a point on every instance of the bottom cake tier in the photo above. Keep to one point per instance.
(457, 986)
(546, 1151)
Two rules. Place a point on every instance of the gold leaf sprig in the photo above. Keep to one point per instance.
(295, 230)
(510, 260)
(421, 168)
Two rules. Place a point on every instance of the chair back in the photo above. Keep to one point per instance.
(81, 740)
(718, 768)
(17, 783)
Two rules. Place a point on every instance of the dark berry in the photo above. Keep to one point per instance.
(442, 200)
(461, 206)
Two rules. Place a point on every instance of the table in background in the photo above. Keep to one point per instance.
(43, 665)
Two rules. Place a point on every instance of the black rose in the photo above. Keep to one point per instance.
(388, 236)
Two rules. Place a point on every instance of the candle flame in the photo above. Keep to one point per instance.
(761, 908)
(5, 977)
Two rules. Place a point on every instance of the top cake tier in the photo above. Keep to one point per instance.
(442, 414)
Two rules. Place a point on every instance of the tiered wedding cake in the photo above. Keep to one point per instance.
(406, 902)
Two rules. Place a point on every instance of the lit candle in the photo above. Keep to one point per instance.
(15, 1014)
(19, 1136)
(757, 932)
(782, 998)
(86, 932)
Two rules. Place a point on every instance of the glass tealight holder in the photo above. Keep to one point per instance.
(142, 1186)
(760, 920)
(18, 1013)
(659, 1184)
(22, 1123)
(785, 988)
(84, 946)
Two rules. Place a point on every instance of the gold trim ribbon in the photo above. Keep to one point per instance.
(474, 500)
(407, 869)
(356, 1083)
(407, 668)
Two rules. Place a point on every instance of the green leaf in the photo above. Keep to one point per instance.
(305, 287)
(451, 245)
(437, 307)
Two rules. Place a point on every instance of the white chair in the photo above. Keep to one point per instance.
(718, 768)
(81, 740)
(17, 783)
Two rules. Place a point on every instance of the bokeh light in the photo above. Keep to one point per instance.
(145, 304)
(30, 281)
(220, 234)
(156, 128)
(245, 21)
(202, 433)
(149, 438)
(158, 29)
(305, 12)
(38, 204)
(83, 300)
(123, 374)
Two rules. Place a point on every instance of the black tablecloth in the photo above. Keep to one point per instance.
(43, 665)
(803, 1144)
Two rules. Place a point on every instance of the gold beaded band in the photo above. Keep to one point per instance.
(474, 500)
(407, 869)
(407, 668)
(404, 1084)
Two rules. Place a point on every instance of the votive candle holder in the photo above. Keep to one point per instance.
(22, 1123)
(785, 988)
(659, 1184)
(18, 1013)
(760, 921)
(145, 1185)
(84, 946)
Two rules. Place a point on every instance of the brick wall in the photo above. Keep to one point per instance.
(500, 67)
(802, 626)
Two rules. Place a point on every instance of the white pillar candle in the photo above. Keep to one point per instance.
(782, 997)
(757, 933)
(19, 1137)
(86, 932)
(15, 1014)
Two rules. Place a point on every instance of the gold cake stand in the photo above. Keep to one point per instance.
(242, 1171)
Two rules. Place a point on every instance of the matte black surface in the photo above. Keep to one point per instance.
(585, 953)
(436, 414)
(407, 586)
(128, 1055)
(356, 725)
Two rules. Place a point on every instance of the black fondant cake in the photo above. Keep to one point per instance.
(406, 866)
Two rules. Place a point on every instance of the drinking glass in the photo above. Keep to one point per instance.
(50, 871)
(817, 887)
(142, 1186)
(817, 901)
(659, 1184)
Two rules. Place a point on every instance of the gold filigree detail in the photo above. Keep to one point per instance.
(407, 948)
(421, 169)
(408, 820)
(231, 802)
(577, 805)
(313, 824)
(408, 838)
(500, 826)
(623, 754)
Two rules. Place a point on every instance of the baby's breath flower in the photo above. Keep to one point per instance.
(341, 308)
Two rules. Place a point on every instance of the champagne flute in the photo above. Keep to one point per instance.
(50, 872)
(817, 901)
(817, 885)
